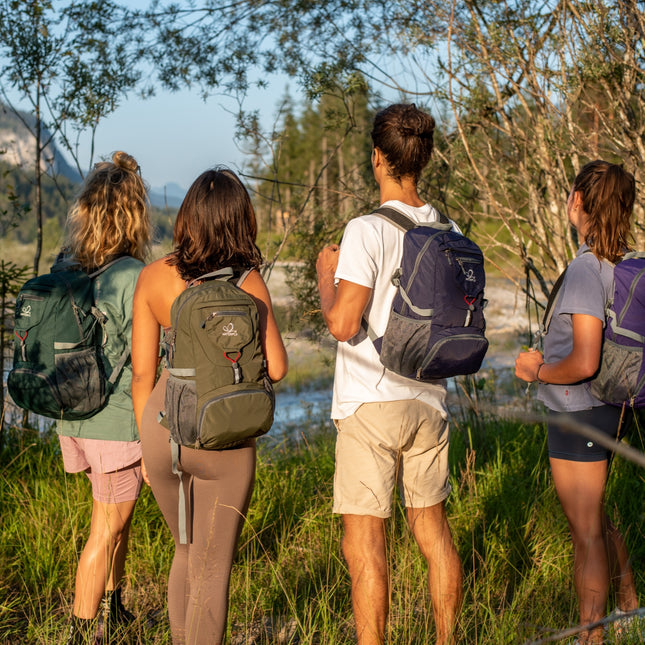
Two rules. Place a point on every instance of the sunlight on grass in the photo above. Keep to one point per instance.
(290, 583)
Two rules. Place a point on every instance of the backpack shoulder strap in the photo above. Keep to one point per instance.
(550, 304)
(125, 354)
(242, 277)
(100, 270)
(395, 217)
(221, 274)
(548, 310)
(406, 223)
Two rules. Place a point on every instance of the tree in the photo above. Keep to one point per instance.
(527, 93)
(71, 65)
(11, 279)
(527, 85)
(311, 175)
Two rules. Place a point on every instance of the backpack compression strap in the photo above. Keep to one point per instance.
(181, 516)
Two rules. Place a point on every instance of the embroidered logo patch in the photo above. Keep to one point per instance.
(229, 330)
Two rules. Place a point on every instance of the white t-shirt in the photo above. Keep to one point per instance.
(370, 251)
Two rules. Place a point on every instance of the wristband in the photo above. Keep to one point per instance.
(537, 375)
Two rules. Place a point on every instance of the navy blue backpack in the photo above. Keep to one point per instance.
(436, 327)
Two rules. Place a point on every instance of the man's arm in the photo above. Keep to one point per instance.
(343, 306)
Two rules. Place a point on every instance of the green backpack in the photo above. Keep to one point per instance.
(59, 370)
(218, 392)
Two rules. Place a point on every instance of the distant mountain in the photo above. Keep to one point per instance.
(169, 196)
(17, 145)
(17, 149)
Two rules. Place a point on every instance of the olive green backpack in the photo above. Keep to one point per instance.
(218, 393)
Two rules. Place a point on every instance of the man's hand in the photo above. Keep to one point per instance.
(327, 262)
(342, 307)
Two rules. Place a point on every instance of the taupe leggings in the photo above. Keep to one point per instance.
(217, 487)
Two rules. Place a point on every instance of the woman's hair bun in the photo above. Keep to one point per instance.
(125, 161)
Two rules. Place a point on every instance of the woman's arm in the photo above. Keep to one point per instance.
(272, 344)
(145, 344)
(580, 364)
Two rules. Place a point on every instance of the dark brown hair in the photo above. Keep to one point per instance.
(110, 215)
(215, 226)
(403, 133)
(608, 193)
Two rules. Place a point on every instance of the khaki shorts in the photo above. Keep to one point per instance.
(388, 443)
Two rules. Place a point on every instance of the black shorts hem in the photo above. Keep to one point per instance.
(573, 457)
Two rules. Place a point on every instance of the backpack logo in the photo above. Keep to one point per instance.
(229, 330)
(470, 276)
(25, 311)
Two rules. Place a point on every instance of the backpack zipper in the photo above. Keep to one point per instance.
(213, 314)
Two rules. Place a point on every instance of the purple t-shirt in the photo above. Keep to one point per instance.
(586, 289)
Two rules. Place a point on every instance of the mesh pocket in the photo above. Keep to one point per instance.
(618, 376)
(32, 390)
(80, 383)
(405, 344)
(181, 410)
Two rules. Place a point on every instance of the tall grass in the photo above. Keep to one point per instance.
(290, 583)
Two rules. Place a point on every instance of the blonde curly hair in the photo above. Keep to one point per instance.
(110, 216)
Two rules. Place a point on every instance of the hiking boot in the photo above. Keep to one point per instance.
(112, 617)
(81, 631)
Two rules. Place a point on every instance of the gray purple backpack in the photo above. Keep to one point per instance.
(620, 380)
(436, 327)
(621, 377)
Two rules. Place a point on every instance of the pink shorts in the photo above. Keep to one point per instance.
(113, 467)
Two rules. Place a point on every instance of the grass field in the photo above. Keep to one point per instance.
(290, 583)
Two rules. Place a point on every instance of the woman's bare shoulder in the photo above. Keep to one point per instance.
(255, 285)
(158, 268)
(160, 273)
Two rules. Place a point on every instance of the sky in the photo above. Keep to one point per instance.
(176, 135)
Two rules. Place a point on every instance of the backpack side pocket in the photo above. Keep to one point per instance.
(80, 382)
(617, 379)
(181, 409)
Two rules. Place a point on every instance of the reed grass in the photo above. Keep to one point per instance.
(290, 583)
